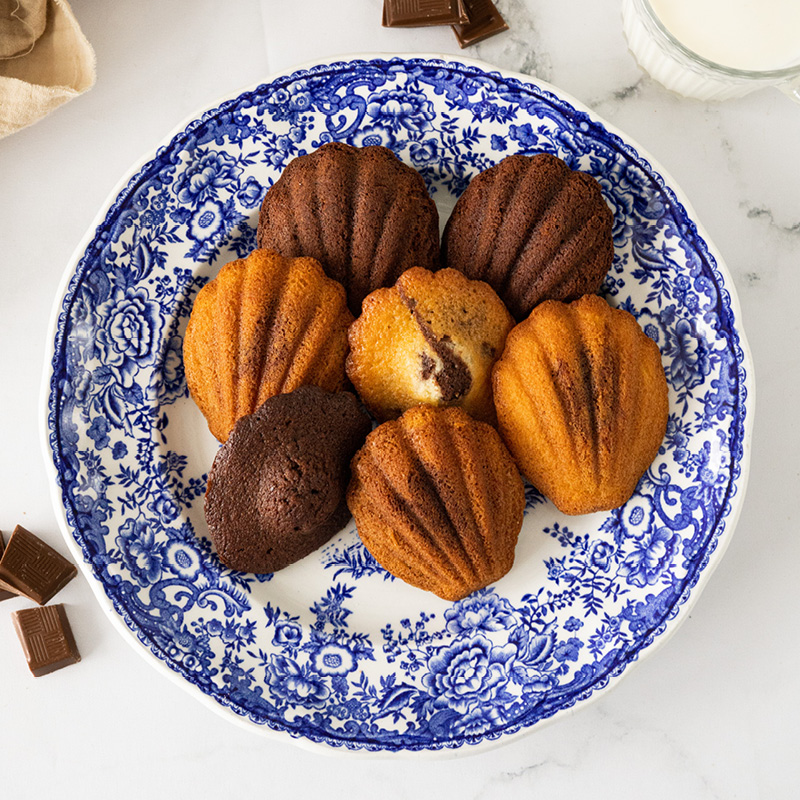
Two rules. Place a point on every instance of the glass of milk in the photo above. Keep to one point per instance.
(716, 49)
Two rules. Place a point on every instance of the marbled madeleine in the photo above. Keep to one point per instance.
(581, 402)
(438, 501)
(431, 339)
(265, 325)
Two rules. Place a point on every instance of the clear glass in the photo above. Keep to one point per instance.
(685, 72)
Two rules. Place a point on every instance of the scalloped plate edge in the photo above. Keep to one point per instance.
(682, 606)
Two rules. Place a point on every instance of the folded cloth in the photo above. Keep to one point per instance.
(21, 24)
(56, 66)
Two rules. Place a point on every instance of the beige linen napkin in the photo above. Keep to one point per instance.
(48, 69)
(21, 24)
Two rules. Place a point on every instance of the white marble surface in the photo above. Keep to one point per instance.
(713, 714)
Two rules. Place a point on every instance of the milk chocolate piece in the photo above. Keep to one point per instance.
(421, 13)
(484, 21)
(6, 590)
(46, 638)
(32, 568)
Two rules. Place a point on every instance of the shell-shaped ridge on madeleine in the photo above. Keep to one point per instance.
(533, 229)
(362, 213)
(438, 501)
(265, 325)
(582, 402)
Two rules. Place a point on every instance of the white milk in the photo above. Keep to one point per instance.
(743, 34)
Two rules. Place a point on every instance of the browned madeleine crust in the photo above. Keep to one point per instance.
(362, 213)
(431, 339)
(581, 402)
(533, 229)
(438, 501)
(265, 325)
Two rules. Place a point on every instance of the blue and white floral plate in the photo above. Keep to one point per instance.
(332, 650)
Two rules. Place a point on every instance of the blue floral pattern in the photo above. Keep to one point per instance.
(360, 660)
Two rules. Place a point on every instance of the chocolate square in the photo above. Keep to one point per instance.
(6, 589)
(421, 13)
(484, 21)
(46, 638)
(32, 568)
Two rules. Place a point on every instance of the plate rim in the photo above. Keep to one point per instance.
(446, 750)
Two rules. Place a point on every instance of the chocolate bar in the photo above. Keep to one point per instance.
(32, 568)
(484, 21)
(420, 13)
(6, 590)
(46, 638)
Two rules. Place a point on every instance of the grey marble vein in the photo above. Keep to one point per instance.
(520, 48)
(761, 213)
